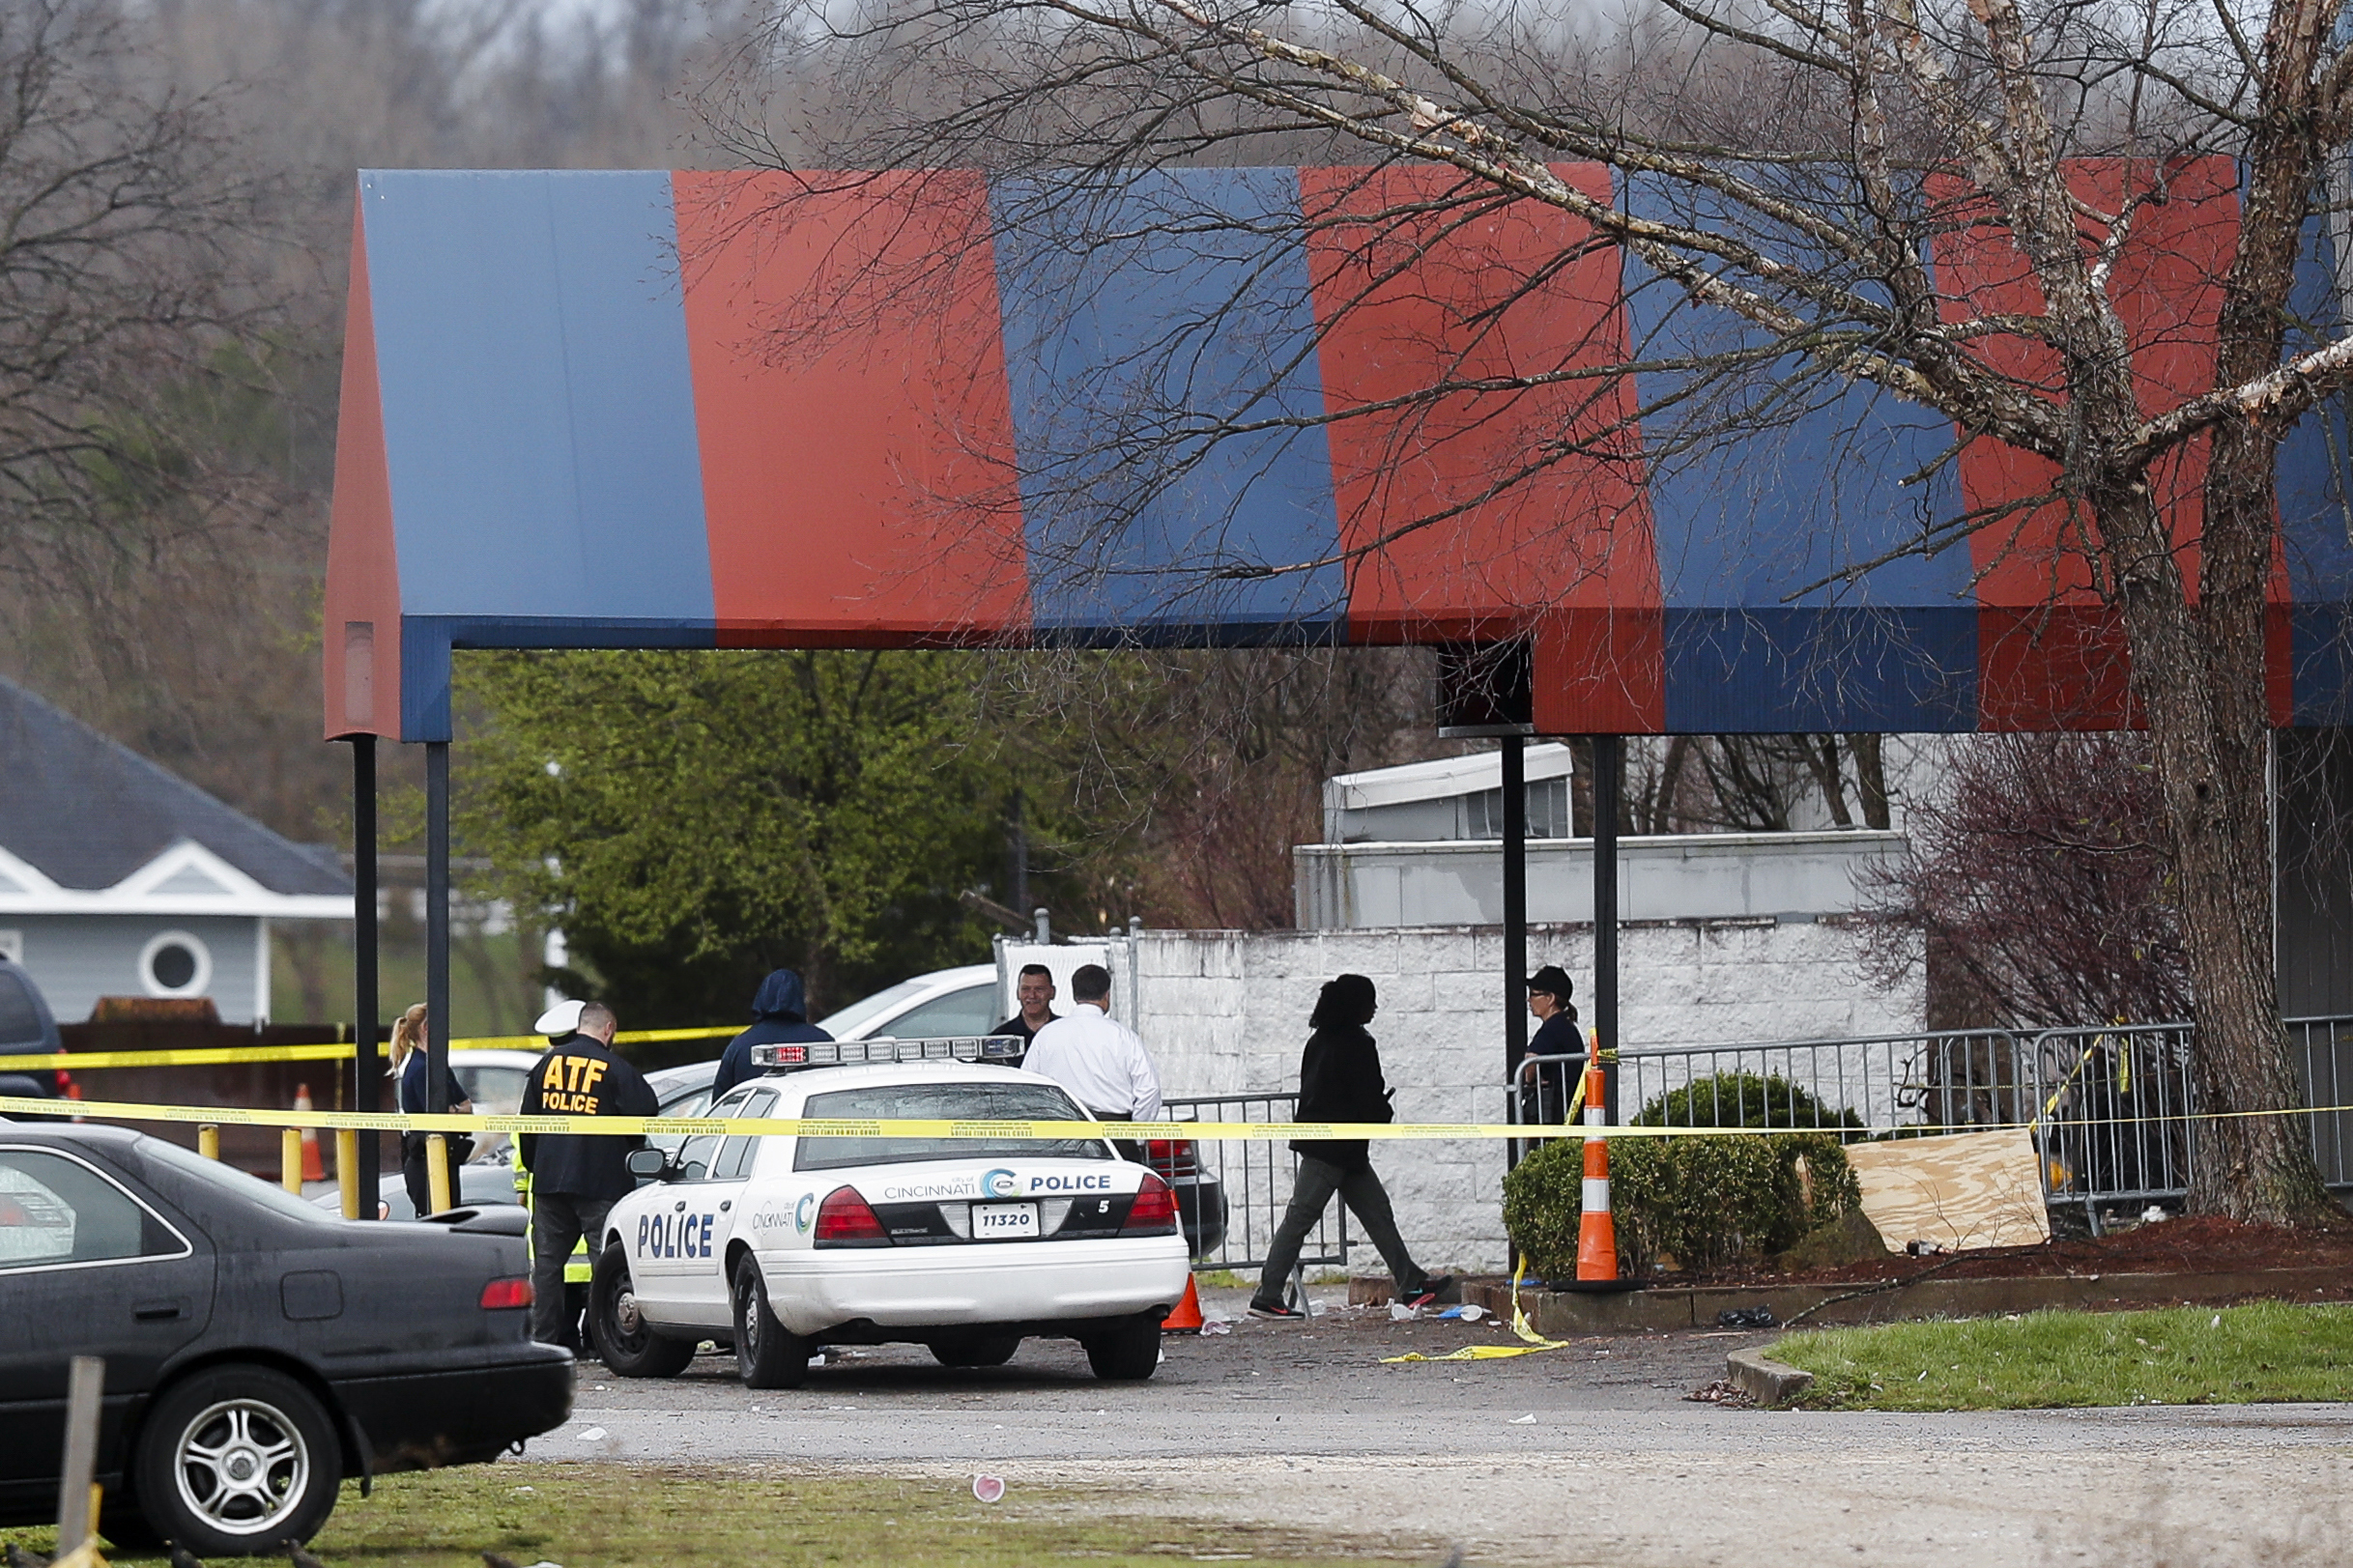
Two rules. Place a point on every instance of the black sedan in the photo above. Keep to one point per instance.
(257, 1350)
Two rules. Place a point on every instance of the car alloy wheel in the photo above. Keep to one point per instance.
(238, 1459)
(241, 1466)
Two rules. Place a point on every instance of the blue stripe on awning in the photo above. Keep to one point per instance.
(1816, 668)
(2315, 492)
(1131, 358)
(538, 411)
(1771, 492)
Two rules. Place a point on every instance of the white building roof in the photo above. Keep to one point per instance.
(184, 880)
(1439, 779)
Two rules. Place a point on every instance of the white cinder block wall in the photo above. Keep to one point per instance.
(1226, 1013)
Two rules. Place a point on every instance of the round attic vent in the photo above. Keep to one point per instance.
(175, 964)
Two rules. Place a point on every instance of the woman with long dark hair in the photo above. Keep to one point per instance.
(1339, 1080)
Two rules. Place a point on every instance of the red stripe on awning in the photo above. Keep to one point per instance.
(1413, 290)
(858, 479)
(2053, 655)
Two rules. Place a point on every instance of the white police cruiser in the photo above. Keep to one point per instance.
(968, 1246)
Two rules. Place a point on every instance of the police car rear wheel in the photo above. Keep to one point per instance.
(628, 1345)
(767, 1354)
(995, 1351)
(1128, 1353)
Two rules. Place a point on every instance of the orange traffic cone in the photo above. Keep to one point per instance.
(1186, 1318)
(1597, 1232)
(314, 1169)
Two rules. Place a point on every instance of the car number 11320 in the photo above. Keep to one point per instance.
(1004, 1220)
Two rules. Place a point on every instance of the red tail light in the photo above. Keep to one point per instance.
(1153, 1212)
(844, 1220)
(506, 1294)
(1173, 1158)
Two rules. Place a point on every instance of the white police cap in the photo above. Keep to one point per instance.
(560, 1019)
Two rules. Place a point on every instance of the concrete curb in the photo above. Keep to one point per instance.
(1764, 1380)
(1560, 1314)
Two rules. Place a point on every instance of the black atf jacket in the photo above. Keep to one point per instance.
(1339, 1080)
(579, 1077)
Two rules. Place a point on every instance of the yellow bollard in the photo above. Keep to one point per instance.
(437, 1171)
(208, 1141)
(290, 1160)
(347, 1169)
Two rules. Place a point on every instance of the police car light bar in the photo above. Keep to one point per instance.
(850, 1052)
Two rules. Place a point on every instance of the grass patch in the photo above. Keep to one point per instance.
(2180, 1356)
(590, 1515)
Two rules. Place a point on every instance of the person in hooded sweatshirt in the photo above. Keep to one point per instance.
(1339, 1080)
(780, 1017)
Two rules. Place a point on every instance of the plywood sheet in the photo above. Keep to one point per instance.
(1970, 1190)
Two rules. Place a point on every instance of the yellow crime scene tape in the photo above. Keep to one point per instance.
(14, 1105)
(321, 1051)
(1531, 1343)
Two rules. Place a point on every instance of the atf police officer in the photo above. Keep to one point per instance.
(575, 1177)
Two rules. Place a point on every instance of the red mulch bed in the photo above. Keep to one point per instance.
(2201, 1245)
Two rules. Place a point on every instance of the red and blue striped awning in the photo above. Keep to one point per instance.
(600, 409)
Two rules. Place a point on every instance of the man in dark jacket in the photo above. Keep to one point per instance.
(575, 1175)
(780, 1017)
(1339, 1080)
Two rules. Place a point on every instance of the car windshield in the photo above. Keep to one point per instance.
(956, 1101)
(844, 1024)
(236, 1184)
(496, 1091)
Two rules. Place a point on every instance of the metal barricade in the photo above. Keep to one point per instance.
(1932, 1081)
(2113, 1123)
(1256, 1177)
(1539, 1094)
(2110, 1115)
(2323, 1049)
(2108, 1107)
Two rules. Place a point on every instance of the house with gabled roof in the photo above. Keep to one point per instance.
(119, 879)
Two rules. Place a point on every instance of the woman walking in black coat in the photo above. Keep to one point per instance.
(1339, 1080)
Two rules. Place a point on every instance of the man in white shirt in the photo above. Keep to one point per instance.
(1096, 1057)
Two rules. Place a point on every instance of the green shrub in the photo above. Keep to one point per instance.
(1709, 1202)
(1741, 1099)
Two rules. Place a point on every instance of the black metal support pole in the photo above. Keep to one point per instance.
(1515, 911)
(1608, 753)
(367, 1067)
(437, 925)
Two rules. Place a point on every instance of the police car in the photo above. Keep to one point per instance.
(784, 1244)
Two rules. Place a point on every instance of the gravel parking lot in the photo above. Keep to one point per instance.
(1585, 1454)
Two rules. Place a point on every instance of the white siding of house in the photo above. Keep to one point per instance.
(77, 958)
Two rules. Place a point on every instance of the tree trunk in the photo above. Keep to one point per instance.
(1871, 778)
(2205, 713)
(1670, 785)
(1829, 776)
(2218, 794)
